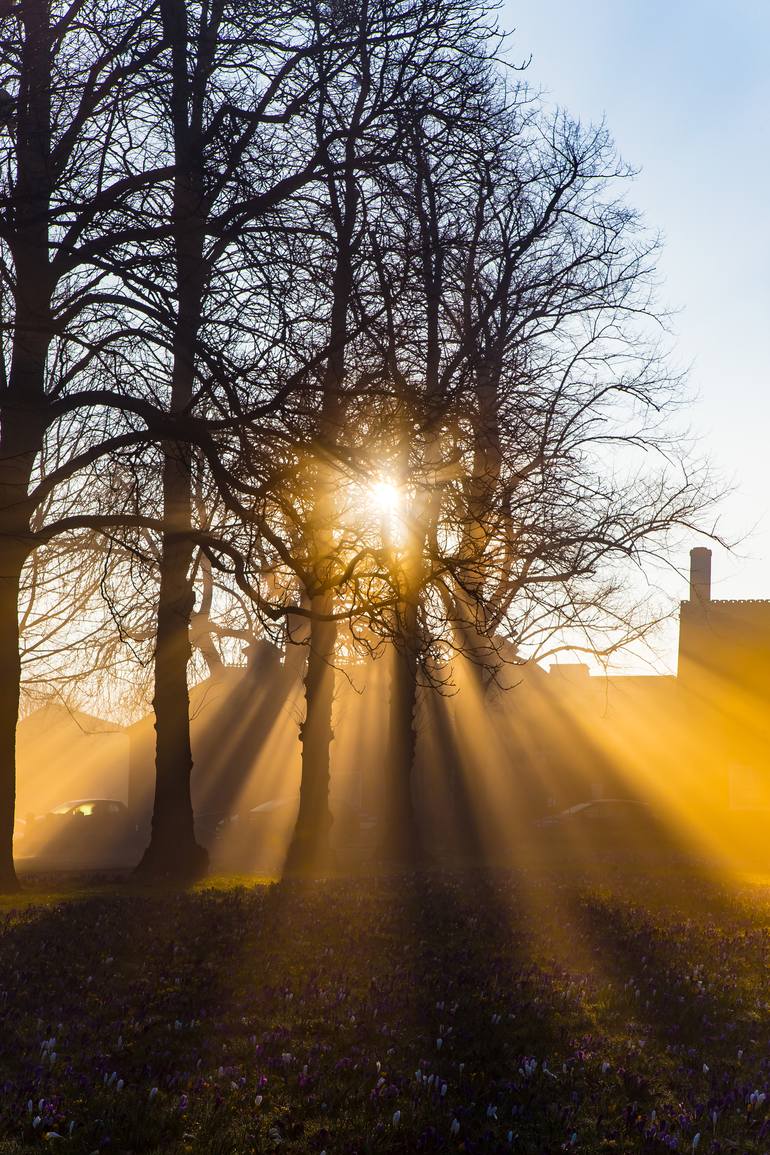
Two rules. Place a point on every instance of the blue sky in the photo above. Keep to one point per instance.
(684, 87)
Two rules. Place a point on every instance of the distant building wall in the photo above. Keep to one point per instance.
(63, 755)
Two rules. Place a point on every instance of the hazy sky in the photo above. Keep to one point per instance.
(684, 87)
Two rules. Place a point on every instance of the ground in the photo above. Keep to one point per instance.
(473, 1012)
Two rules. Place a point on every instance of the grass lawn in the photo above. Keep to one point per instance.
(477, 1012)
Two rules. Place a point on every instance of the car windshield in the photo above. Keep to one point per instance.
(86, 807)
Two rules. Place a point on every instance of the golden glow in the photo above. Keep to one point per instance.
(490, 765)
(386, 508)
(372, 512)
(386, 497)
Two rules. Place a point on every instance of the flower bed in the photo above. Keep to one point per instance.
(438, 1013)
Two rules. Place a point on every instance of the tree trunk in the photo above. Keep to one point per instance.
(10, 666)
(309, 853)
(22, 421)
(20, 442)
(474, 631)
(401, 841)
(173, 850)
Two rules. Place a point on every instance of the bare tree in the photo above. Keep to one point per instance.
(67, 68)
(99, 195)
(360, 111)
(534, 385)
(256, 258)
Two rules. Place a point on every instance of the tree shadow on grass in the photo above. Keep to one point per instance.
(395, 1013)
(105, 998)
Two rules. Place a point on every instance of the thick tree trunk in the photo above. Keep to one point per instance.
(20, 442)
(401, 841)
(10, 669)
(309, 853)
(22, 417)
(173, 850)
(474, 630)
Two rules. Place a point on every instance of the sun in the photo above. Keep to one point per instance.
(386, 503)
(386, 497)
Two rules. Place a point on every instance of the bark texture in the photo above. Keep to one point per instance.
(24, 399)
(309, 853)
(173, 850)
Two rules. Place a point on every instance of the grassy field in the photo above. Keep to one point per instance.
(476, 1012)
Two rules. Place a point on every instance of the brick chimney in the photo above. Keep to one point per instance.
(700, 576)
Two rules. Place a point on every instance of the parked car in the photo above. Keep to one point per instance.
(622, 826)
(603, 810)
(83, 832)
(257, 839)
